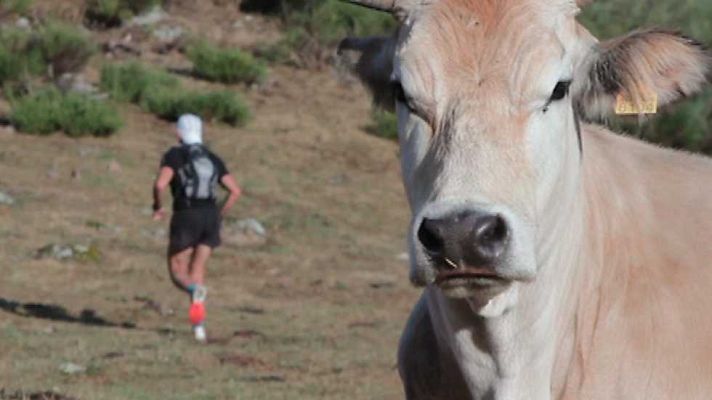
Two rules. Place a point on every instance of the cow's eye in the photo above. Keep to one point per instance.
(400, 96)
(560, 91)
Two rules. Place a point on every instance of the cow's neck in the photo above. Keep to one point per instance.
(512, 354)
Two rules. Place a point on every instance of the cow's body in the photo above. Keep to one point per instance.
(560, 261)
(638, 323)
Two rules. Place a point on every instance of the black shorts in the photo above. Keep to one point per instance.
(192, 227)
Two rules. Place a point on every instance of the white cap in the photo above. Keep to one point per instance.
(190, 129)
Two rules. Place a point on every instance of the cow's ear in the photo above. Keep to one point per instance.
(373, 65)
(640, 70)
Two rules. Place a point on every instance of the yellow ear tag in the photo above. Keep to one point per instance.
(625, 106)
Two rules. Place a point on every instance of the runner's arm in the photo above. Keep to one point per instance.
(162, 181)
(229, 183)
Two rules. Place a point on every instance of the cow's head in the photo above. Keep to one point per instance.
(488, 95)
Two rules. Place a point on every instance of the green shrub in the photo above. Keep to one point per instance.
(384, 124)
(130, 81)
(50, 110)
(38, 114)
(159, 93)
(56, 47)
(64, 47)
(225, 65)
(17, 6)
(112, 13)
(82, 115)
(171, 103)
(313, 27)
(279, 52)
(20, 55)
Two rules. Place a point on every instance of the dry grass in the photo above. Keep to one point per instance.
(317, 311)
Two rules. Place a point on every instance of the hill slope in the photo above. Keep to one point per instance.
(314, 313)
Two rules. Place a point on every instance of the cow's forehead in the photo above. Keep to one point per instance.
(485, 41)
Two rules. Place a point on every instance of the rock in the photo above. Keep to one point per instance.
(116, 48)
(246, 233)
(55, 251)
(71, 368)
(23, 23)
(7, 130)
(76, 83)
(6, 199)
(168, 33)
(251, 225)
(151, 17)
(66, 252)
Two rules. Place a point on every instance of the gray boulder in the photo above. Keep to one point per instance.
(247, 232)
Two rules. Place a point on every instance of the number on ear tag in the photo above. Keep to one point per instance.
(625, 106)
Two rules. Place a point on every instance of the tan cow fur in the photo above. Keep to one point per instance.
(611, 255)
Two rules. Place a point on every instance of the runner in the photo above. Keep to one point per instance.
(193, 172)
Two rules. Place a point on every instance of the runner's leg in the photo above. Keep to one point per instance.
(197, 275)
(197, 265)
(179, 267)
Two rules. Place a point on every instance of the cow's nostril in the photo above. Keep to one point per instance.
(491, 236)
(430, 237)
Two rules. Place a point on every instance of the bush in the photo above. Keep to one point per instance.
(112, 13)
(38, 114)
(222, 106)
(82, 115)
(17, 6)
(64, 47)
(20, 56)
(225, 65)
(313, 27)
(160, 93)
(384, 124)
(49, 111)
(56, 47)
(129, 82)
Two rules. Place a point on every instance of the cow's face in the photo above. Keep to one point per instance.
(488, 94)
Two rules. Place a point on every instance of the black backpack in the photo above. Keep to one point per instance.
(199, 175)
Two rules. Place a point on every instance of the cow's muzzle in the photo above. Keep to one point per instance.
(467, 245)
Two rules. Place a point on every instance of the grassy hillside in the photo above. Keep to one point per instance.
(302, 316)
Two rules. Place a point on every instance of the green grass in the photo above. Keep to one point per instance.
(384, 124)
(77, 115)
(225, 65)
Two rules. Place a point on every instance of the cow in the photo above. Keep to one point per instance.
(558, 260)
